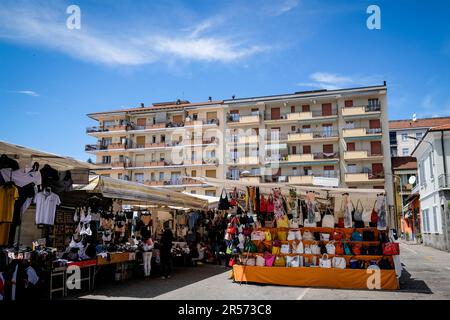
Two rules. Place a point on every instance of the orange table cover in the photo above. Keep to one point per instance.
(314, 277)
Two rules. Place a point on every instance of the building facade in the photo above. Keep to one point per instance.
(323, 138)
(433, 159)
(404, 135)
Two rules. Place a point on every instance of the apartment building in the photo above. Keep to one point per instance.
(323, 138)
(433, 161)
(404, 135)
(161, 145)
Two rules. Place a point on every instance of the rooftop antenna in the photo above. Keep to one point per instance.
(210, 98)
(414, 117)
(142, 105)
(233, 96)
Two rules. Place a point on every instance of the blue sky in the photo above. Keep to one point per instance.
(128, 52)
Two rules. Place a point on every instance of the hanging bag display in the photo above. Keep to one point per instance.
(282, 235)
(224, 204)
(308, 235)
(347, 250)
(339, 262)
(357, 216)
(391, 249)
(374, 216)
(324, 261)
(285, 248)
(280, 261)
(260, 261)
(283, 222)
(356, 236)
(331, 248)
(297, 247)
(292, 261)
(269, 259)
(328, 221)
(293, 223)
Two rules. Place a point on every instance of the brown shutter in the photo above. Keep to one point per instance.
(326, 109)
(375, 147)
(348, 103)
(294, 149)
(351, 146)
(234, 111)
(305, 108)
(177, 119)
(306, 149)
(328, 168)
(328, 148)
(292, 109)
(211, 115)
(275, 113)
(141, 121)
(374, 124)
(211, 173)
(377, 168)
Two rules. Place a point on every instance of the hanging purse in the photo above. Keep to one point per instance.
(339, 249)
(260, 261)
(291, 235)
(354, 264)
(258, 236)
(293, 223)
(231, 229)
(307, 235)
(357, 216)
(325, 237)
(325, 262)
(331, 248)
(374, 216)
(347, 250)
(391, 249)
(269, 259)
(292, 261)
(356, 248)
(268, 235)
(285, 249)
(223, 201)
(282, 235)
(315, 248)
(232, 262)
(339, 263)
(280, 261)
(356, 236)
(283, 222)
(328, 221)
(317, 215)
(297, 247)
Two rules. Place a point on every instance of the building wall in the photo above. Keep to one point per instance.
(409, 144)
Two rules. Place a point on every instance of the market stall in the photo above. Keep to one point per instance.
(308, 236)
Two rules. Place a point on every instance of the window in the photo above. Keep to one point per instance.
(435, 220)
(306, 149)
(307, 171)
(292, 109)
(193, 192)
(349, 125)
(119, 176)
(327, 130)
(351, 146)
(404, 137)
(161, 176)
(328, 171)
(139, 177)
(106, 159)
(210, 193)
(193, 173)
(153, 139)
(305, 108)
(109, 123)
(328, 149)
(152, 177)
(419, 136)
(348, 103)
(306, 128)
(255, 171)
(326, 109)
(405, 152)
(294, 150)
(234, 174)
(106, 141)
(351, 168)
(210, 173)
(163, 138)
(431, 165)
(421, 173)
(255, 112)
(426, 222)
(162, 157)
(293, 128)
(294, 171)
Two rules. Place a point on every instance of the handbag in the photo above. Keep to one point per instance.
(328, 221)
(347, 250)
(293, 223)
(293, 261)
(374, 215)
(247, 231)
(294, 235)
(283, 222)
(297, 247)
(391, 249)
(258, 236)
(285, 248)
(331, 248)
(368, 235)
(224, 204)
(276, 250)
(307, 249)
(354, 264)
(339, 263)
(338, 236)
(318, 216)
(339, 249)
(366, 216)
(340, 223)
(282, 235)
(307, 235)
(232, 262)
(356, 236)
(356, 248)
(268, 235)
(315, 248)
(262, 204)
(250, 262)
(231, 229)
(385, 264)
(357, 216)
(269, 224)
(250, 247)
(260, 261)
(324, 261)
(325, 236)
(306, 223)
(280, 261)
(269, 259)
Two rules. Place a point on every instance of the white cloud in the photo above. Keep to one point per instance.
(283, 7)
(43, 27)
(28, 93)
(331, 81)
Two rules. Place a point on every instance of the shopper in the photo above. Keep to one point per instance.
(147, 250)
(166, 252)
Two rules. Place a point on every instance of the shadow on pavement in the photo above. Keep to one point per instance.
(411, 285)
(153, 287)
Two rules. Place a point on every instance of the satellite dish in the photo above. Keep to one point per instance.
(412, 180)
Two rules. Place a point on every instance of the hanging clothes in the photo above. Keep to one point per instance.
(348, 209)
(311, 208)
(380, 207)
(292, 203)
(278, 204)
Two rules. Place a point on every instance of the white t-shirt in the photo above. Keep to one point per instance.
(46, 207)
(21, 177)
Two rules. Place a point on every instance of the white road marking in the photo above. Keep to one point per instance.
(407, 248)
(300, 297)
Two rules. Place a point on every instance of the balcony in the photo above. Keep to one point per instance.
(100, 129)
(301, 116)
(313, 178)
(306, 180)
(363, 110)
(251, 160)
(300, 157)
(243, 120)
(102, 147)
(319, 135)
(254, 179)
(362, 155)
(248, 139)
(361, 133)
(174, 182)
(364, 177)
(444, 181)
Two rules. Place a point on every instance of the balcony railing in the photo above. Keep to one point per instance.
(107, 128)
(444, 181)
(248, 118)
(368, 173)
(99, 146)
(317, 173)
(172, 182)
(294, 116)
(360, 109)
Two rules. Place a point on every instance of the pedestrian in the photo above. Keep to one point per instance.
(147, 251)
(166, 252)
